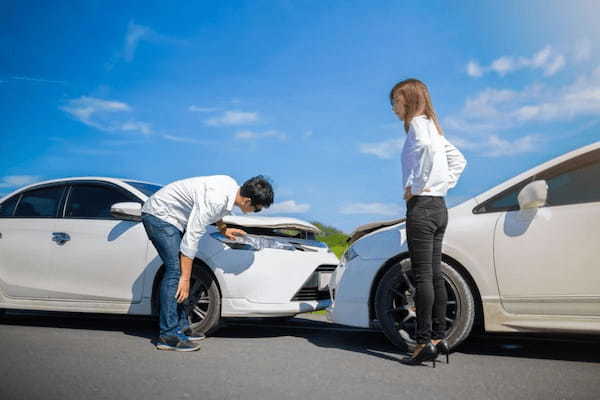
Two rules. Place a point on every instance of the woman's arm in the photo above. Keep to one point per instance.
(456, 163)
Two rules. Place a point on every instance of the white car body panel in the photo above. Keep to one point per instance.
(528, 295)
(110, 266)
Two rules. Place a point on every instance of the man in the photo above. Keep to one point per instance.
(175, 218)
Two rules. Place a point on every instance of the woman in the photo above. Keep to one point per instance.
(430, 166)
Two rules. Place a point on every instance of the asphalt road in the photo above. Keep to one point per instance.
(72, 356)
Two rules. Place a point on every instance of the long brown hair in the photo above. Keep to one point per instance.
(416, 98)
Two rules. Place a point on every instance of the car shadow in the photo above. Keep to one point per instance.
(324, 334)
(580, 348)
(139, 326)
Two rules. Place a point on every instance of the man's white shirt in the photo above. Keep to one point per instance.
(192, 204)
(430, 163)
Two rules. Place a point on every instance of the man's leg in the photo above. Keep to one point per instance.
(166, 238)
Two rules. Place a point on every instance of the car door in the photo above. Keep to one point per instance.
(27, 222)
(102, 259)
(546, 258)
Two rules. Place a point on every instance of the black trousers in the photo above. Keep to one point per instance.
(426, 221)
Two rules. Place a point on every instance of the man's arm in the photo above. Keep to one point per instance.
(183, 288)
(230, 233)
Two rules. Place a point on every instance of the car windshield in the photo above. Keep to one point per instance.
(147, 188)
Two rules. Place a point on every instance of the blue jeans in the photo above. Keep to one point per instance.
(166, 238)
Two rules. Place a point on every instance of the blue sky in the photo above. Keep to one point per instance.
(295, 90)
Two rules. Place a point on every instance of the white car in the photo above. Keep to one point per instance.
(77, 245)
(521, 257)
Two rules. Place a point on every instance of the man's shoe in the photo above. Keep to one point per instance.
(173, 343)
(193, 338)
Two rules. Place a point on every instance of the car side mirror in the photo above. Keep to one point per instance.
(533, 195)
(128, 211)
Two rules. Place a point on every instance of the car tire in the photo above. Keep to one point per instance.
(204, 303)
(394, 305)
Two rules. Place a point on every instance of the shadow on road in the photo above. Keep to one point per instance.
(144, 327)
(324, 334)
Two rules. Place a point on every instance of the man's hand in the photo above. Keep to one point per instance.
(231, 233)
(183, 290)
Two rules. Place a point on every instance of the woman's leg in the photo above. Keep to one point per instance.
(439, 285)
(420, 233)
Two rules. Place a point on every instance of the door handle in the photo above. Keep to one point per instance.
(60, 237)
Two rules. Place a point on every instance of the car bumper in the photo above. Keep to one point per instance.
(245, 308)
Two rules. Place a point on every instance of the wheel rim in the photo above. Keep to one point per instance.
(403, 309)
(198, 303)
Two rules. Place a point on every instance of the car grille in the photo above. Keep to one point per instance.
(310, 289)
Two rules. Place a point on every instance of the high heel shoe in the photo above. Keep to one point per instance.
(443, 348)
(429, 352)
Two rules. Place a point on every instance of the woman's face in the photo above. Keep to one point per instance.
(398, 106)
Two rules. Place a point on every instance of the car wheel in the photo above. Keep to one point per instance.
(204, 302)
(396, 311)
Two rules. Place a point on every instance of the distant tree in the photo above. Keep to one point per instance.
(333, 237)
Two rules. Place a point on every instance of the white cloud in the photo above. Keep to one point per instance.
(386, 149)
(583, 50)
(387, 209)
(474, 69)
(496, 146)
(18, 180)
(28, 78)
(251, 135)
(493, 110)
(181, 139)
(307, 134)
(104, 115)
(546, 59)
(194, 108)
(233, 118)
(287, 207)
(138, 126)
(135, 33)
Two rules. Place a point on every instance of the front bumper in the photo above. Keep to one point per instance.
(245, 308)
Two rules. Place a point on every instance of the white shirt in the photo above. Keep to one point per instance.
(192, 204)
(430, 163)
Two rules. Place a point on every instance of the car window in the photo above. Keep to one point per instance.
(574, 181)
(571, 182)
(147, 188)
(505, 201)
(7, 208)
(94, 201)
(40, 202)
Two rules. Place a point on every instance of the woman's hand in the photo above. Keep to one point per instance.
(231, 233)
(183, 290)
(408, 193)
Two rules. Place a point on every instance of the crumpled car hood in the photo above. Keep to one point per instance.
(270, 222)
(371, 227)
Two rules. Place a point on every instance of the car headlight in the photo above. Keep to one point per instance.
(255, 243)
(349, 255)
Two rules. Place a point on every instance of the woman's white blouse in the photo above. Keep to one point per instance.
(430, 163)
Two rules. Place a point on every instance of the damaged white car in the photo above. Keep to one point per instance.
(77, 245)
(520, 257)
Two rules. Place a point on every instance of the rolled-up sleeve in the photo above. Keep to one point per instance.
(422, 162)
(456, 163)
(207, 209)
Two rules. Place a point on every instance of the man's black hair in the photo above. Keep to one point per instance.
(259, 190)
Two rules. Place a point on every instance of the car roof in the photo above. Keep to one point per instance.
(539, 168)
(118, 181)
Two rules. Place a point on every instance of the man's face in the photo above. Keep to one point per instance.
(247, 207)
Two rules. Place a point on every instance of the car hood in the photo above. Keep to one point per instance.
(270, 222)
(372, 227)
